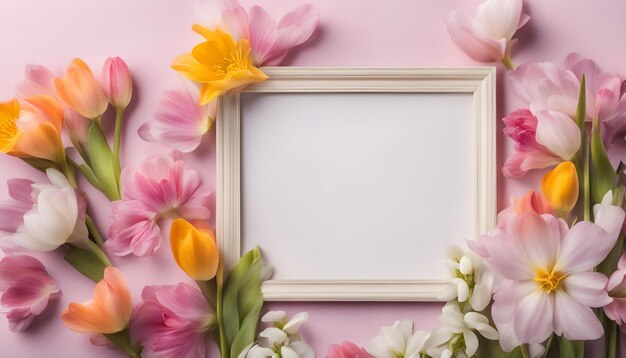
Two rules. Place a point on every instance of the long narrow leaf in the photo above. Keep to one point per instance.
(86, 263)
(231, 291)
(102, 162)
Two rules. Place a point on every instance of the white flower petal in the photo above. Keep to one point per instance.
(465, 265)
(274, 335)
(471, 342)
(294, 324)
(302, 349)
(274, 316)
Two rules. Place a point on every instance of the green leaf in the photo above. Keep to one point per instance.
(89, 175)
(603, 176)
(581, 108)
(102, 162)
(86, 262)
(491, 349)
(40, 164)
(243, 301)
(231, 290)
(573, 349)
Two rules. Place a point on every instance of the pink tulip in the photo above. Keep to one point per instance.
(347, 350)
(25, 289)
(117, 82)
(180, 122)
(270, 41)
(541, 140)
(616, 288)
(548, 283)
(547, 86)
(173, 321)
(488, 36)
(160, 187)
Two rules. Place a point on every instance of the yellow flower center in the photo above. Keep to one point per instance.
(235, 62)
(8, 129)
(548, 280)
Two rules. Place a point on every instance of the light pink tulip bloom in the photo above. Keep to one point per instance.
(547, 86)
(270, 41)
(347, 350)
(172, 321)
(616, 288)
(25, 289)
(42, 216)
(117, 82)
(488, 35)
(180, 121)
(39, 80)
(160, 187)
(541, 140)
(548, 283)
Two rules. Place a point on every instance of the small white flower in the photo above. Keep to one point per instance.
(457, 337)
(282, 340)
(399, 340)
(470, 278)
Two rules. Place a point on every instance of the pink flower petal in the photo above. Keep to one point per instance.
(533, 317)
(588, 288)
(559, 133)
(476, 47)
(38, 80)
(573, 320)
(132, 229)
(583, 248)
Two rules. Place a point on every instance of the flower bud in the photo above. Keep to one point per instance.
(117, 82)
(194, 250)
(80, 91)
(560, 187)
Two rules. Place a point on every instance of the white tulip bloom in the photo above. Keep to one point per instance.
(399, 340)
(457, 337)
(56, 217)
(470, 278)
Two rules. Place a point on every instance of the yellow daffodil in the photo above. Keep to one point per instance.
(560, 187)
(220, 64)
(194, 249)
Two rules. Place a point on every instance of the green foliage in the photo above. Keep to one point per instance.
(101, 163)
(243, 302)
(86, 262)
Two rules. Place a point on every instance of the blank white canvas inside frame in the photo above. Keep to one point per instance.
(357, 186)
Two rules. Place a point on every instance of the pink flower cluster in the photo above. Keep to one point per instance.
(160, 187)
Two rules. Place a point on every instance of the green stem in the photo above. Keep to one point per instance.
(96, 250)
(586, 183)
(610, 340)
(224, 349)
(67, 169)
(116, 144)
(508, 62)
(79, 148)
(93, 229)
(123, 342)
(98, 121)
(524, 349)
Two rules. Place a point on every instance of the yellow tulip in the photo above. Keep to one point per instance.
(220, 64)
(194, 249)
(560, 187)
(108, 312)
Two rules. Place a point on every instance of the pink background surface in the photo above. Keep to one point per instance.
(148, 34)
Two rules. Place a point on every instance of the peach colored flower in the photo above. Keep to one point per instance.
(81, 91)
(109, 311)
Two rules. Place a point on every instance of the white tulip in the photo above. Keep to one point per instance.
(54, 219)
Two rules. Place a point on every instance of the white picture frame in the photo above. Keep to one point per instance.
(479, 82)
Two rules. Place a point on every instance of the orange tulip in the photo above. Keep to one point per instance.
(109, 311)
(33, 132)
(194, 249)
(80, 91)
